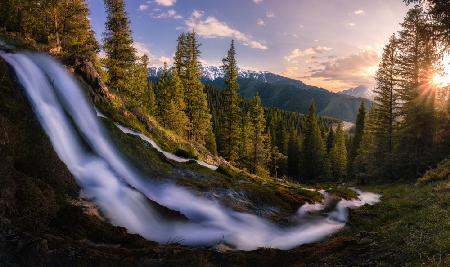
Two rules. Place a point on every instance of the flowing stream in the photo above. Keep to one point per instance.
(80, 141)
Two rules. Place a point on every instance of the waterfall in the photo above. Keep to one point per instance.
(121, 192)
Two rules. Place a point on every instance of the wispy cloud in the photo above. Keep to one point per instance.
(165, 2)
(257, 1)
(359, 12)
(260, 22)
(351, 24)
(197, 13)
(354, 69)
(270, 14)
(143, 7)
(297, 53)
(142, 49)
(211, 27)
(171, 13)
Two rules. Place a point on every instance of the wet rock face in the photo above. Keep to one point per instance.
(33, 183)
(87, 71)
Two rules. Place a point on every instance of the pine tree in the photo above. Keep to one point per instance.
(416, 133)
(245, 144)
(330, 139)
(314, 156)
(163, 96)
(118, 46)
(338, 155)
(259, 140)
(196, 100)
(357, 138)
(386, 111)
(276, 160)
(77, 36)
(439, 10)
(177, 120)
(365, 163)
(230, 121)
(171, 105)
(181, 57)
(294, 155)
(149, 98)
(61, 25)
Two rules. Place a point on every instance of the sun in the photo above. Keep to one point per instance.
(442, 78)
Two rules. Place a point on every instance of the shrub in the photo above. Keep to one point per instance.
(440, 173)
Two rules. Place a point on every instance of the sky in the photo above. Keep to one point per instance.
(334, 44)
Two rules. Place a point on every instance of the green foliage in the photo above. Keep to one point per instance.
(338, 155)
(357, 138)
(230, 123)
(441, 172)
(314, 157)
(407, 126)
(259, 152)
(196, 99)
(171, 105)
(294, 154)
(61, 26)
(416, 130)
(118, 46)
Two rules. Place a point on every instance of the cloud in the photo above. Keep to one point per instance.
(297, 53)
(270, 14)
(257, 1)
(197, 14)
(141, 49)
(211, 27)
(143, 7)
(165, 2)
(355, 69)
(359, 12)
(171, 13)
(260, 22)
(351, 24)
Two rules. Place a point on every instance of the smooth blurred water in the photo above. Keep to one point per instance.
(105, 178)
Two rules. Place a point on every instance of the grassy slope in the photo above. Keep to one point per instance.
(410, 227)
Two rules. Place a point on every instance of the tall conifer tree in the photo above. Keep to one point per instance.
(118, 46)
(259, 140)
(196, 100)
(338, 155)
(357, 138)
(314, 156)
(230, 121)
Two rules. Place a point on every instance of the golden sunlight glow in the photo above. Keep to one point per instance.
(371, 71)
(442, 78)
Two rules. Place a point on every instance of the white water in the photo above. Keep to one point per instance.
(107, 179)
(159, 149)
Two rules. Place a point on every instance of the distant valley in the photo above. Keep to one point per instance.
(285, 93)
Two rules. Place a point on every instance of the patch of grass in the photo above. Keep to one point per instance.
(186, 153)
(410, 227)
(343, 192)
(440, 173)
(226, 170)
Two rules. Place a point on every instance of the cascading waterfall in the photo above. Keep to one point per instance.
(77, 136)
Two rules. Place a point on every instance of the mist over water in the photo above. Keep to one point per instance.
(70, 122)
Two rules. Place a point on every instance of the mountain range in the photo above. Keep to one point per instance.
(283, 92)
(359, 91)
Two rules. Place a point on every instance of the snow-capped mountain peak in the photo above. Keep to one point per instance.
(212, 73)
(359, 91)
